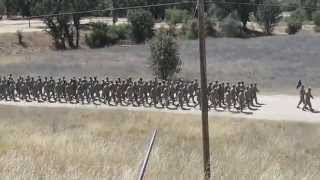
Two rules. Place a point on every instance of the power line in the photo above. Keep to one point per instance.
(115, 9)
(172, 4)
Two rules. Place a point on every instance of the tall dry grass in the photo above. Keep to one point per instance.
(58, 143)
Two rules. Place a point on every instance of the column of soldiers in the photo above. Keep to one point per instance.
(164, 94)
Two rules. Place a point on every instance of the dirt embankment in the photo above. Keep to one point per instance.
(32, 42)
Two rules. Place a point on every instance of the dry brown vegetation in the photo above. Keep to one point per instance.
(75, 143)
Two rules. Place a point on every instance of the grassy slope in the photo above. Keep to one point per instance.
(275, 62)
(92, 144)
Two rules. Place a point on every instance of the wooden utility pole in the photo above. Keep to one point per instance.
(204, 91)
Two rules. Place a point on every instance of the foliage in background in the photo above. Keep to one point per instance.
(310, 3)
(231, 26)
(66, 28)
(217, 12)
(269, 16)
(165, 57)
(175, 16)
(290, 5)
(299, 14)
(141, 25)
(2, 8)
(104, 35)
(243, 8)
(316, 20)
(294, 25)
(24, 7)
(192, 30)
(295, 21)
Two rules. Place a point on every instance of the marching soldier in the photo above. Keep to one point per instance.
(308, 104)
(302, 97)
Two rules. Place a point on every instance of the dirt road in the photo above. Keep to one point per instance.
(277, 107)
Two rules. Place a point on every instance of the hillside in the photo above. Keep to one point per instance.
(275, 62)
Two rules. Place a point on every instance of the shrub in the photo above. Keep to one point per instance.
(122, 30)
(269, 16)
(299, 14)
(165, 57)
(293, 26)
(2, 8)
(192, 29)
(175, 16)
(105, 35)
(171, 29)
(97, 38)
(211, 24)
(142, 23)
(232, 27)
(20, 37)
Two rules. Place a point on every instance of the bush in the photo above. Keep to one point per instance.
(211, 24)
(20, 37)
(192, 29)
(142, 23)
(97, 38)
(293, 26)
(104, 35)
(122, 30)
(175, 16)
(165, 57)
(232, 27)
(299, 14)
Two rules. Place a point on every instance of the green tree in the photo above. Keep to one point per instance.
(310, 3)
(243, 8)
(269, 15)
(316, 18)
(294, 22)
(175, 16)
(64, 28)
(60, 27)
(142, 23)
(231, 26)
(10, 7)
(24, 7)
(2, 8)
(165, 57)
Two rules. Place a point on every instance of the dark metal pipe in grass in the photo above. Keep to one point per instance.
(146, 159)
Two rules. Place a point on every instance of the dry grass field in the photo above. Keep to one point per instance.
(75, 143)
